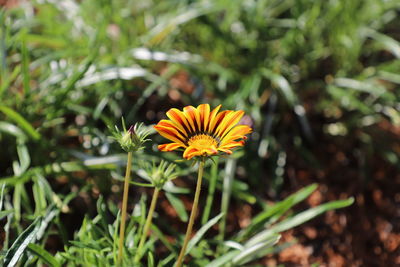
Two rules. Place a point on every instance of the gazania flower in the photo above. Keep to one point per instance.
(201, 132)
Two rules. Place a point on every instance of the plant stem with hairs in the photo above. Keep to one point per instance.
(192, 214)
(124, 207)
(147, 224)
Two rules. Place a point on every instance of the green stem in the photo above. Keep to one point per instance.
(147, 224)
(211, 191)
(226, 194)
(124, 207)
(192, 215)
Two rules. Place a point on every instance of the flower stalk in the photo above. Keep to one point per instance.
(147, 224)
(131, 140)
(192, 214)
(124, 207)
(158, 175)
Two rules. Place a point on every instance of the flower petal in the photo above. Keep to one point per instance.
(229, 122)
(169, 133)
(190, 152)
(179, 119)
(217, 120)
(193, 117)
(213, 114)
(204, 110)
(227, 151)
(235, 133)
(169, 147)
(170, 124)
(232, 144)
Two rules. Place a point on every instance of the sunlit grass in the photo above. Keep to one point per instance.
(68, 69)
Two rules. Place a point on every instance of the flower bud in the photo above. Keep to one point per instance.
(133, 139)
(159, 175)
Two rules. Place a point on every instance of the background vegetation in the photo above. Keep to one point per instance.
(318, 79)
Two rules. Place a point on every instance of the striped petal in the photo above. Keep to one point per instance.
(217, 120)
(213, 114)
(169, 147)
(229, 122)
(191, 152)
(193, 117)
(227, 151)
(179, 119)
(235, 133)
(232, 145)
(204, 110)
(169, 133)
(166, 123)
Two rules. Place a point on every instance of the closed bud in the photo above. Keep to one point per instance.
(133, 139)
(159, 175)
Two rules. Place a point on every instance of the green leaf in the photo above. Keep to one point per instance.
(386, 41)
(369, 86)
(24, 158)
(4, 213)
(21, 121)
(11, 129)
(197, 237)
(276, 211)
(211, 190)
(286, 204)
(282, 84)
(43, 255)
(141, 184)
(298, 219)
(3, 186)
(25, 63)
(167, 25)
(88, 245)
(255, 251)
(243, 254)
(223, 260)
(178, 206)
(150, 259)
(18, 247)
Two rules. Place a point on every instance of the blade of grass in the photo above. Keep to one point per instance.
(199, 234)
(298, 219)
(11, 129)
(211, 191)
(25, 64)
(4, 213)
(23, 123)
(3, 186)
(274, 212)
(252, 252)
(43, 255)
(18, 247)
(282, 84)
(178, 206)
(230, 170)
(224, 259)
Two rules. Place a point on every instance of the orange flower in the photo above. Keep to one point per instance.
(201, 132)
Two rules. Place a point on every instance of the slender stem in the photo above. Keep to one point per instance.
(192, 215)
(147, 224)
(124, 207)
(211, 191)
(226, 194)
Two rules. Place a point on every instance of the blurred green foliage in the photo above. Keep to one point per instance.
(305, 71)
